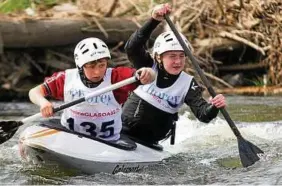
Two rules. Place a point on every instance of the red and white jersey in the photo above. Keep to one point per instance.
(99, 116)
(54, 85)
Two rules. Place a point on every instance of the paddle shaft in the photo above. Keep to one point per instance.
(80, 100)
(201, 74)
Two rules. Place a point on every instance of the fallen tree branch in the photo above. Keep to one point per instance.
(30, 60)
(100, 27)
(135, 6)
(243, 67)
(248, 32)
(61, 55)
(242, 40)
(241, 4)
(215, 44)
(221, 8)
(211, 77)
(112, 8)
(187, 26)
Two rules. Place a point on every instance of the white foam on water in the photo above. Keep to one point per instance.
(192, 134)
(263, 130)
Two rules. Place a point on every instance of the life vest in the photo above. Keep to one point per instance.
(98, 116)
(168, 99)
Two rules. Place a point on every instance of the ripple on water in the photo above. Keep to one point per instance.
(205, 154)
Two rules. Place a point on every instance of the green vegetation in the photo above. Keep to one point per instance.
(256, 81)
(7, 6)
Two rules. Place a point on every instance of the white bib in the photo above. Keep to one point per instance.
(99, 116)
(168, 99)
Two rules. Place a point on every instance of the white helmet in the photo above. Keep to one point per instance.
(90, 49)
(167, 41)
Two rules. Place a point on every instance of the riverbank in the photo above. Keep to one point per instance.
(236, 43)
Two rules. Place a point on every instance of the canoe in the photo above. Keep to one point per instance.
(49, 142)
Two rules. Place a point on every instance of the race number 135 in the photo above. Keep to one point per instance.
(106, 128)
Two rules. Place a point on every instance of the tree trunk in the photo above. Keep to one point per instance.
(50, 32)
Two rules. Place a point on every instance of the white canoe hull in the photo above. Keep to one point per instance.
(42, 144)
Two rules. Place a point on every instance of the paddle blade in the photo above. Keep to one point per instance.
(8, 129)
(248, 152)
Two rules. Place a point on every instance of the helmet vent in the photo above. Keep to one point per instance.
(95, 46)
(169, 40)
(166, 35)
(85, 51)
(90, 49)
(82, 46)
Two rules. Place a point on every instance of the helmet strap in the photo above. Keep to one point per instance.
(159, 62)
(86, 81)
(162, 71)
(160, 65)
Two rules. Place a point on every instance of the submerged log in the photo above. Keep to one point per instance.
(60, 32)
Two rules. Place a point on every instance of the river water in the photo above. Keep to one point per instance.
(203, 154)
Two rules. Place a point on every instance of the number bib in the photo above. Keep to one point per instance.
(99, 116)
(168, 99)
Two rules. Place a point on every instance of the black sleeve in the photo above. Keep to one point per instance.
(136, 45)
(203, 110)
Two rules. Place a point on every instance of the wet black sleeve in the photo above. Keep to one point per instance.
(136, 45)
(203, 110)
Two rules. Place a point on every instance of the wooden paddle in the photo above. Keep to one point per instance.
(248, 152)
(9, 128)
